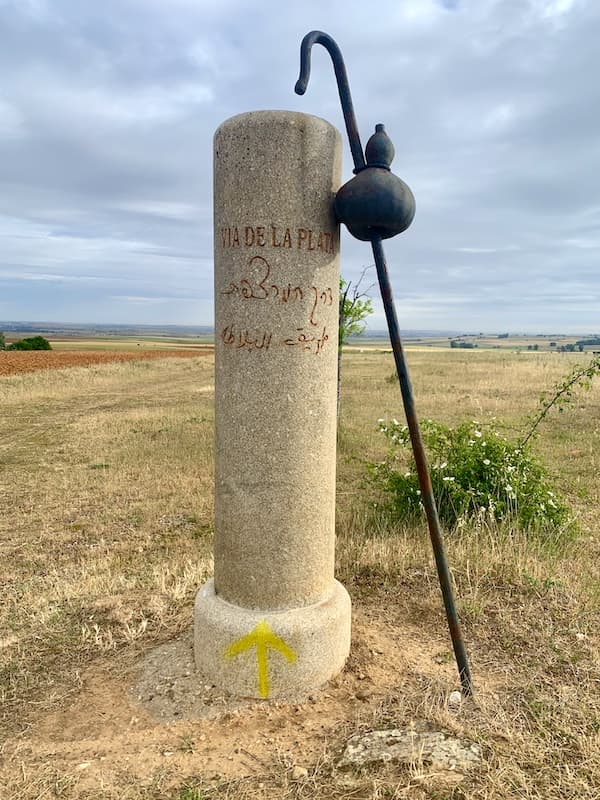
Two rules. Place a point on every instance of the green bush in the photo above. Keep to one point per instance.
(32, 343)
(476, 475)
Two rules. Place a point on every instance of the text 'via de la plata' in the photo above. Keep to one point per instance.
(277, 237)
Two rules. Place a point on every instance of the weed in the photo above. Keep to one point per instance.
(477, 476)
(580, 377)
(187, 743)
(190, 793)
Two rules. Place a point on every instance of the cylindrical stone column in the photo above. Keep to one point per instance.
(274, 622)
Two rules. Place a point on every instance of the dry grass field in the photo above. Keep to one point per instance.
(105, 536)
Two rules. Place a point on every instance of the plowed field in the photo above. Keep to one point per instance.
(14, 362)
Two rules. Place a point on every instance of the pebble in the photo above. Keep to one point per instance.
(299, 773)
(454, 700)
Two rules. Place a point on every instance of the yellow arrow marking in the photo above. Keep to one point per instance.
(263, 638)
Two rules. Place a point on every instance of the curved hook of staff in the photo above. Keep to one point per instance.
(318, 37)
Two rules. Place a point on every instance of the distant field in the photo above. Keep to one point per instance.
(13, 362)
(109, 343)
(494, 342)
(118, 342)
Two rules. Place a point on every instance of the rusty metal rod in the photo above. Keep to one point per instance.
(341, 76)
(318, 37)
(427, 497)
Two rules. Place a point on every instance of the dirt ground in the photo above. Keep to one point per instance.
(13, 362)
(157, 715)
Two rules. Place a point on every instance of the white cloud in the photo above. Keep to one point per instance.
(165, 209)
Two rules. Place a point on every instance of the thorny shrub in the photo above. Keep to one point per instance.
(477, 475)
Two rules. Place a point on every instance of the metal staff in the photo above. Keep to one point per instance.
(376, 205)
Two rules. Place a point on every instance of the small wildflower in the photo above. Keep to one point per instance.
(486, 461)
(478, 434)
(448, 478)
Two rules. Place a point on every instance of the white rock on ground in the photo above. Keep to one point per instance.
(434, 748)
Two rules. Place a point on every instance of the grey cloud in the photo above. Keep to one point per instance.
(107, 113)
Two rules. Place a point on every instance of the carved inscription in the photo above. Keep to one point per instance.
(257, 283)
(272, 236)
(238, 338)
(308, 341)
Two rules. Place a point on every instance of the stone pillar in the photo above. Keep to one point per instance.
(274, 622)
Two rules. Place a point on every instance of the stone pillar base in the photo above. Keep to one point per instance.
(270, 654)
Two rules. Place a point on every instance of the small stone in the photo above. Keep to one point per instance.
(299, 774)
(454, 700)
(435, 749)
(363, 694)
(84, 765)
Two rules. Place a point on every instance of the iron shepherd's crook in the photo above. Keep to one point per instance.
(376, 205)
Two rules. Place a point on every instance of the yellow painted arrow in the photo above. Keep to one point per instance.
(263, 638)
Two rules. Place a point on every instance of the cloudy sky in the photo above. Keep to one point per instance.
(107, 112)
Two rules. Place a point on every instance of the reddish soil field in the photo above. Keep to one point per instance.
(14, 362)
